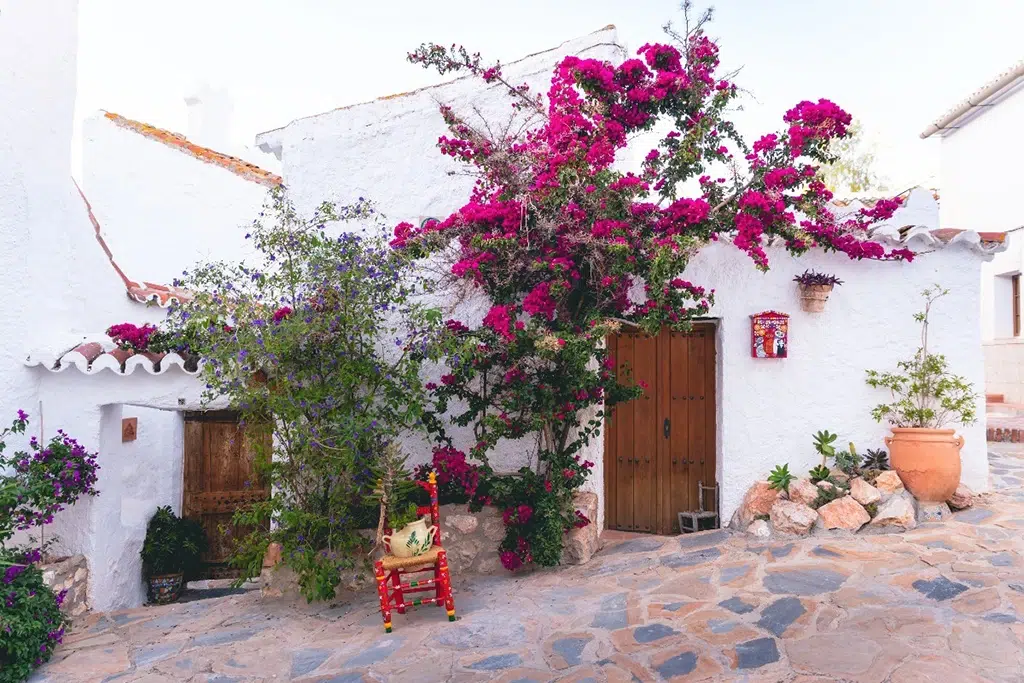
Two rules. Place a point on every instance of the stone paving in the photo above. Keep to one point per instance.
(944, 602)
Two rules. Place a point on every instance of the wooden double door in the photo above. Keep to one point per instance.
(659, 446)
(220, 477)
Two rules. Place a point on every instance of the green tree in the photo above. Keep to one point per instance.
(854, 169)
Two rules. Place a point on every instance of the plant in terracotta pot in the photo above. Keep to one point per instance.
(395, 493)
(171, 554)
(814, 289)
(926, 397)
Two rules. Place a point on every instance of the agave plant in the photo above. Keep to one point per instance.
(876, 459)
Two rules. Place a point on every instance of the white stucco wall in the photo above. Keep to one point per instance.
(385, 150)
(162, 210)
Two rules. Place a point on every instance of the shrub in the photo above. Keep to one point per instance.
(924, 392)
(31, 623)
(173, 545)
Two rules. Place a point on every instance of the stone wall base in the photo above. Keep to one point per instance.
(69, 574)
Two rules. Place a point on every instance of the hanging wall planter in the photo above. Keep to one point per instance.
(814, 289)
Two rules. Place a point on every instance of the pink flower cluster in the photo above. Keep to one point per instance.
(131, 337)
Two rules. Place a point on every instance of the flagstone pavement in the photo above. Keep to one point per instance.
(944, 602)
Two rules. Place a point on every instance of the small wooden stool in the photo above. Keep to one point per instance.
(391, 569)
(700, 520)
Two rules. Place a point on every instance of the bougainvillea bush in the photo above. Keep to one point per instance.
(568, 249)
(34, 485)
(321, 337)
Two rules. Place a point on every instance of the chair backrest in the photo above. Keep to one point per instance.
(433, 509)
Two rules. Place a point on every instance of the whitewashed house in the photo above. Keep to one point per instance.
(747, 414)
(981, 147)
(158, 201)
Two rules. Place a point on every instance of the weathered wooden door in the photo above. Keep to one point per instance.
(658, 447)
(220, 477)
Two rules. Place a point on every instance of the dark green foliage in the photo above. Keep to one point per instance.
(847, 461)
(395, 492)
(876, 459)
(172, 545)
(780, 478)
(31, 624)
(872, 509)
(827, 495)
(819, 473)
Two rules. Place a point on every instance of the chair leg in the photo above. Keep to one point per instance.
(396, 581)
(446, 584)
(438, 595)
(382, 593)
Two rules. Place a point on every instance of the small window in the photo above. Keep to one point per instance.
(1015, 281)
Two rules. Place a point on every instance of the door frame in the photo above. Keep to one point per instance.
(663, 454)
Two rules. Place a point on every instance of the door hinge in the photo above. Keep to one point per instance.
(667, 427)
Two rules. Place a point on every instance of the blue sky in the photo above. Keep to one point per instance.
(895, 65)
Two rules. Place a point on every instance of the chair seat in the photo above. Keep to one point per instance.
(428, 558)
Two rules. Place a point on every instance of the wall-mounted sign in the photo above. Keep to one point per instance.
(769, 335)
(129, 429)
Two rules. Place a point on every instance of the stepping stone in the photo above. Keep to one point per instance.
(680, 665)
(307, 660)
(822, 551)
(691, 559)
(804, 581)
(728, 574)
(699, 540)
(737, 605)
(652, 632)
(383, 649)
(497, 662)
(939, 589)
(780, 615)
(570, 649)
(756, 653)
(224, 637)
(636, 545)
(972, 516)
(612, 614)
(780, 550)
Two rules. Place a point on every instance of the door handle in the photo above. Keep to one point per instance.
(667, 427)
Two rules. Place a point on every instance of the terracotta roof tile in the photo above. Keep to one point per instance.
(101, 354)
(146, 292)
(237, 166)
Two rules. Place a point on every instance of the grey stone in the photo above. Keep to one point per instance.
(680, 665)
(307, 660)
(502, 630)
(221, 678)
(938, 544)
(804, 581)
(1019, 587)
(690, 559)
(973, 516)
(154, 653)
(570, 649)
(636, 545)
(224, 637)
(822, 551)
(939, 589)
(737, 605)
(932, 512)
(728, 574)
(673, 606)
(611, 620)
(652, 632)
(720, 626)
(704, 538)
(497, 662)
(350, 677)
(184, 663)
(780, 550)
(611, 603)
(999, 618)
(383, 649)
(1001, 560)
(780, 615)
(756, 653)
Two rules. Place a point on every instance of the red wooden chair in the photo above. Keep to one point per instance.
(391, 569)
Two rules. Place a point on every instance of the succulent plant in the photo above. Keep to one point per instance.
(819, 473)
(876, 459)
(780, 478)
(813, 277)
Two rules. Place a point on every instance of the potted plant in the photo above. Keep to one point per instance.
(814, 289)
(926, 396)
(170, 553)
(395, 493)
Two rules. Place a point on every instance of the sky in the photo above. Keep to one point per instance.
(896, 65)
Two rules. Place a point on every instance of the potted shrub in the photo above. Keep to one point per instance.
(170, 553)
(926, 396)
(814, 289)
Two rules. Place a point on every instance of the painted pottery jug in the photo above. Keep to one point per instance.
(414, 539)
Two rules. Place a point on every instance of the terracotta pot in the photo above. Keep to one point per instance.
(165, 588)
(813, 297)
(927, 460)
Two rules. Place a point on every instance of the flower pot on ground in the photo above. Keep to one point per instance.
(814, 289)
(926, 397)
(171, 554)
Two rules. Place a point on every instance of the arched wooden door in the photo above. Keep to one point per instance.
(658, 447)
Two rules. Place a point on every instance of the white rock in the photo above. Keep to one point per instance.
(760, 529)
(863, 492)
(789, 517)
(898, 513)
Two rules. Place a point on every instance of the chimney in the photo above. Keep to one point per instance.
(209, 118)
